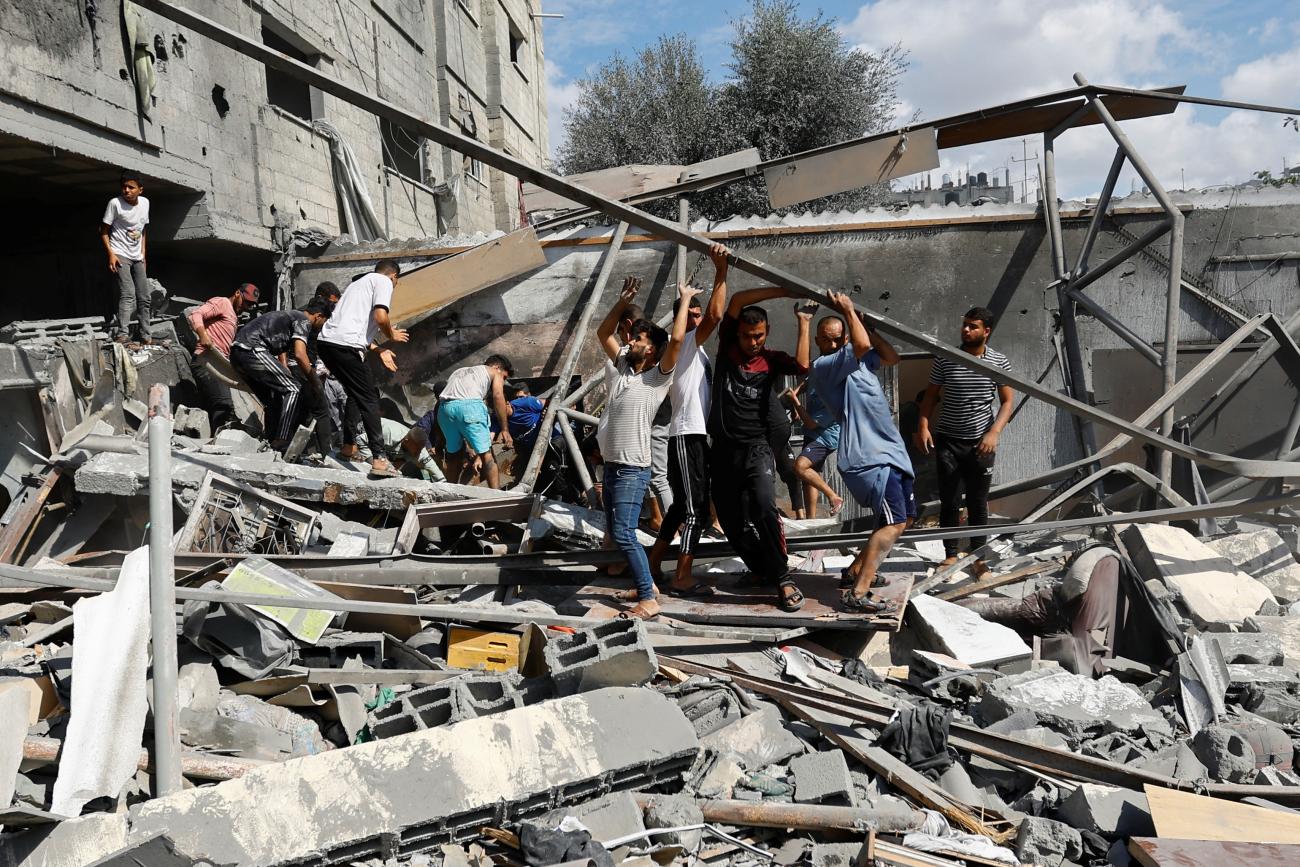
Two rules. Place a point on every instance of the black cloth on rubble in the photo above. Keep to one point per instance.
(544, 846)
(919, 736)
(856, 669)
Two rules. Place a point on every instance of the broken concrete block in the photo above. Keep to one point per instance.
(429, 788)
(1071, 704)
(332, 650)
(1249, 648)
(460, 698)
(1226, 755)
(756, 741)
(1108, 811)
(674, 811)
(822, 778)
(720, 776)
(964, 635)
(835, 854)
(1265, 556)
(13, 731)
(607, 818)
(197, 687)
(1046, 841)
(1209, 588)
(79, 841)
(613, 653)
(191, 422)
(1287, 630)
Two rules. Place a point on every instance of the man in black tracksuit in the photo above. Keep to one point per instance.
(745, 406)
(260, 354)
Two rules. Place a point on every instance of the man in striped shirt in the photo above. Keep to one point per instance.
(965, 439)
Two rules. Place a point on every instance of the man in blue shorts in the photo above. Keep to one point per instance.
(873, 460)
(463, 418)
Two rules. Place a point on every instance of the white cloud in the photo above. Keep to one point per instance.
(1010, 49)
(561, 93)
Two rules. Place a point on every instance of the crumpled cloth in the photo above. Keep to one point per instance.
(919, 736)
(936, 835)
(544, 846)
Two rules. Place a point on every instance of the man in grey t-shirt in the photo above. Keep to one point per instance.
(638, 376)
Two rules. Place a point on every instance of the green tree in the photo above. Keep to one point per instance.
(795, 84)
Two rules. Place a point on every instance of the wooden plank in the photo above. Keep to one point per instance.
(738, 603)
(25, 514)
(1182, 815)
(996, 581)
(1164, 852)
(871, 162)
(447, 280)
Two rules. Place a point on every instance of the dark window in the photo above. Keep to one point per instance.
(402, 150)
(516, 44)
(283, 90)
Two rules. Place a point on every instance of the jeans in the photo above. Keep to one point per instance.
(624, 492)
(962, 469)
(132, 295)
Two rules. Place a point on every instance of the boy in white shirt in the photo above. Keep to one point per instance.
(122, 231)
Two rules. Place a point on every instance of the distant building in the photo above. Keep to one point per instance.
(975, 189)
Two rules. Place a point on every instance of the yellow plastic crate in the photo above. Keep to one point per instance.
(477, 649)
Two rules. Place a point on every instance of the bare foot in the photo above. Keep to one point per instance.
(981, 568)
(948, 561)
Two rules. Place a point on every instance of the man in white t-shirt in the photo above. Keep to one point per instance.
(359, 325)
(638, 376)
(463, 418)
(122, 231)
(688, 440)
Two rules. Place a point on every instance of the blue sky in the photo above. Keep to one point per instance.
(966, 55)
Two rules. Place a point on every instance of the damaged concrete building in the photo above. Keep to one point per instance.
(213, 654)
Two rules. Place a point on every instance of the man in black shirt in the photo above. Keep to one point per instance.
(741, 418)
(260, 355)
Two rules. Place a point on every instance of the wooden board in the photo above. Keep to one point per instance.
(447, 280)
(1182, 815)
(1164, 852)
(738, 603)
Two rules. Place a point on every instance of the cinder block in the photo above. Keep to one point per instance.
(334, 650)
(822, 778)
(613, 653)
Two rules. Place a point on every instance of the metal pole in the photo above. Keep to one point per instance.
(683, 217)
(579, 462)
(1103, 204)
(529, 478)
(162, 597)
(1146, 350)
(1050, 204)
(1172, 317)
(1095, 274)
(1241, 375)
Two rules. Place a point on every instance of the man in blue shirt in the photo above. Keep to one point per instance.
(873, 460)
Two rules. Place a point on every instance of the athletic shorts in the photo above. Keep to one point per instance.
(817, 452)
(886, 491)
(465, 421)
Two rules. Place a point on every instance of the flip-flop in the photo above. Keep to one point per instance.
(636, 612)
(865, 604)
(789, 602)
(384, 471)
(627, 595)
(698, 590)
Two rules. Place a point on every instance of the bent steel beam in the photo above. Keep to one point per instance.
(796, 286)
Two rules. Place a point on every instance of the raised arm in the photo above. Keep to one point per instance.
(678, 334)
(609, 325)
(888, 354)
(718, 300)
(741, 300)
(857, 331)
(803, 314)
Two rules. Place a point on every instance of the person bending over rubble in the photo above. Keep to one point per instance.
(214, 325)
(463, 418)
(965, 439)
(873, 460)
(688, 441)
(745, 406)
(259, 354)
(352, 331)
(637, 376)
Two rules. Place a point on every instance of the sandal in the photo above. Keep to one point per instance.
(847, 579)
(789, 602)
(383, 470)
(866, 603)
(627, 595)
(636, 612)
(698, 590)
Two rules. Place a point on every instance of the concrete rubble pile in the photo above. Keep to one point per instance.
(393, 672)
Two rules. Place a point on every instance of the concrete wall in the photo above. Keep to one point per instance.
(215, 148)
(924, 268)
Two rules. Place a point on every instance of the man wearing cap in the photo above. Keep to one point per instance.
(214, 325)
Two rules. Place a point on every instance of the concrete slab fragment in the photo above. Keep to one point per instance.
(431, 787)
(1265, 556)
(964, 635)
(1071, 704)
(822, 778)
(13, 730)
(756, 741)
(1209, 587)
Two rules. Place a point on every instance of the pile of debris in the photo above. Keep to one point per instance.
(380, 673)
